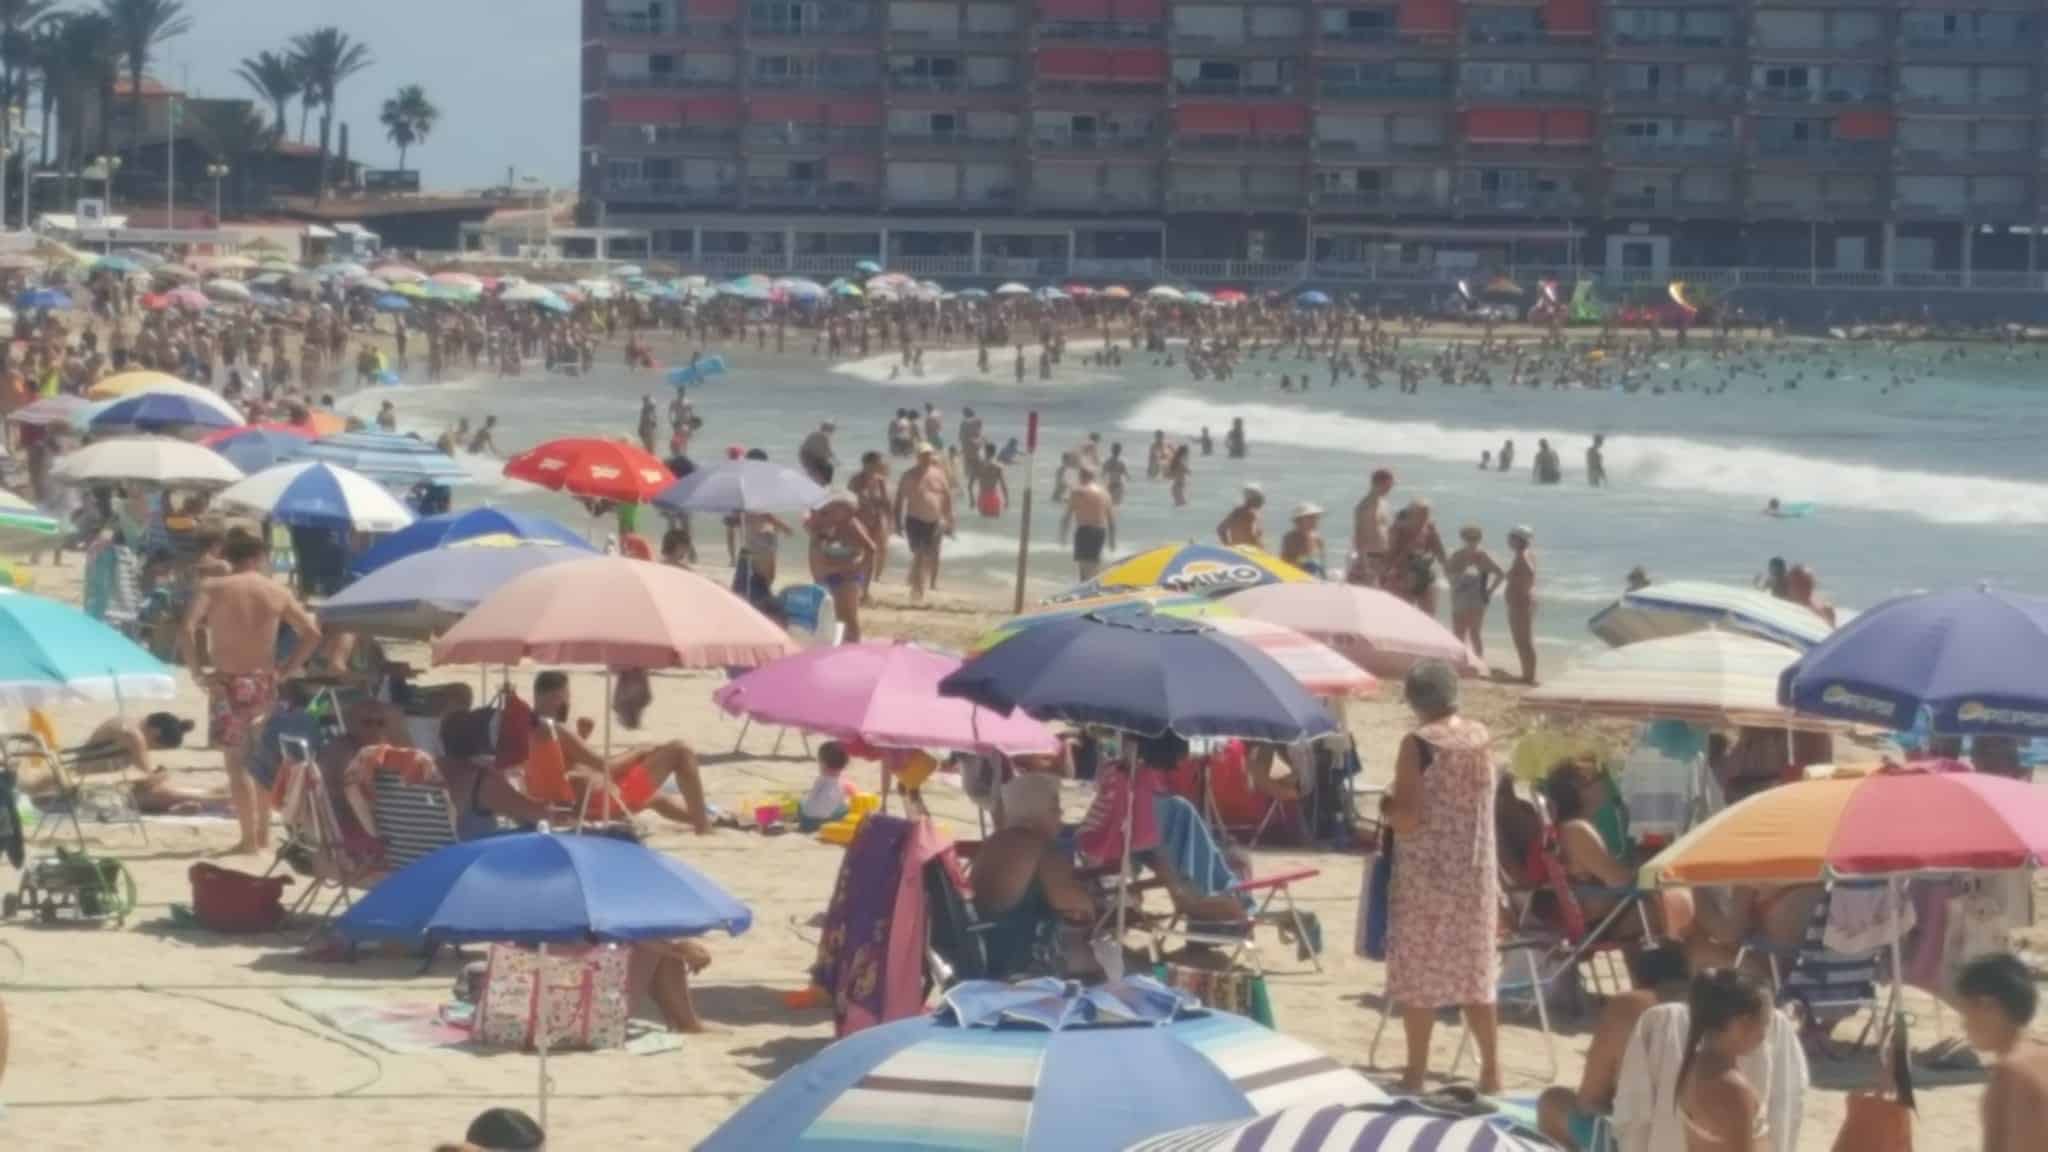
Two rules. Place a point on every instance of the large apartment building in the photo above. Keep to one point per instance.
(1883, 141)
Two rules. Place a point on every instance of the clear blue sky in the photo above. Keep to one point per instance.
(503, 72)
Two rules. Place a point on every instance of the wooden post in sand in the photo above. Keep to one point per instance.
(1024, 509)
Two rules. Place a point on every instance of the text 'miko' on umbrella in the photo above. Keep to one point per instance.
(1974, 659)
(1143, 673)
(1043, 1066)
(1203, 569)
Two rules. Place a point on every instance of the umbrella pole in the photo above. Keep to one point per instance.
(1123, 874)
(540, 1011)
(1896, 1018)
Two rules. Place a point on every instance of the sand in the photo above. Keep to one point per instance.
(152, 1036)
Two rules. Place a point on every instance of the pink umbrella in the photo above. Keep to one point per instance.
(617, 612)
(190, 299)
(886, 695)
(1380, 632)
(1321, 669)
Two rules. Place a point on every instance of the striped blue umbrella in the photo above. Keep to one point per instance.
(254, 449)
(388, 457)
(160, 411)
(1038, 1065)
(312, 494)
(1394, 1126)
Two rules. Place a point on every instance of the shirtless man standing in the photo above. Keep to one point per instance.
(1521, 599)
(241, 613)
(1092, 515)
(482, 443)
(924, 510)
(1242, 525)
(1369, 531)
(1997, 997)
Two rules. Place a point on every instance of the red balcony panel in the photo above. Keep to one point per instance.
(1863, 125)
(1504, 125)
(1280, 120)
(1140, 64)
(1568, 17)
(1138, 11)
(711, 110)
(1074, 9)
(711, 11)
(1198, 119)
(857, 113)
(786, 109)
(1428, 17)
(1072, 60)
(646, 109)
(1568, 126)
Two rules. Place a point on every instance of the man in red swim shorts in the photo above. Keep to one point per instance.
(636, 777)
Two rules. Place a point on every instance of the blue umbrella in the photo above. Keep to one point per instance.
(741, 486)
(424, 594)
(41, 300)
(1313, 299)
(432, 532)
(52, 652)
(867, 268)
(1393, 1126)
(158, 411)
(116, 263)
(1040, 1065)
(1975, 660)
(254, 449)
(388, 457)
(392, 302)
(973, 294)
(698, 371)
(1144, 673)
(554, 304)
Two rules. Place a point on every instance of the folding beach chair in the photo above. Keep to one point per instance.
(1824, 987)
(413, 817)
(314, 845)
(108, 796)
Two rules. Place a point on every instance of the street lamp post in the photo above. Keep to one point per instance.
(218, 172)
(108, 165)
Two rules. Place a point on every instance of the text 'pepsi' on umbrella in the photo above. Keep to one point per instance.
(1144, 673)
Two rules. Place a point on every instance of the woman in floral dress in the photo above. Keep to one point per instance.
(1445, 901)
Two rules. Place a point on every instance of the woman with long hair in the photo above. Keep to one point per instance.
(1728, 1017)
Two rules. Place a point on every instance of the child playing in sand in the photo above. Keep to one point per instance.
(831, 794)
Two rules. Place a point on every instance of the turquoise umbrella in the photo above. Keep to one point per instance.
(53, 652)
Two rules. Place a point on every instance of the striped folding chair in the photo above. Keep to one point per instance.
(413, 819)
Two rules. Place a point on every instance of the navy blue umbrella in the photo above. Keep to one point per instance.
(1143, 673)
(1975, 659)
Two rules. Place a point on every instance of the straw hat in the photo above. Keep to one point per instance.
(1306, 509)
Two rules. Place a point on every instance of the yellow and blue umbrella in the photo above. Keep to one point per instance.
(1203, 569)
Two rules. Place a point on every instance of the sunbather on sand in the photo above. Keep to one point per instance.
(116, 745)
(559, 759)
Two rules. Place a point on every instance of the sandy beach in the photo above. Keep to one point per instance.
(158, 1036)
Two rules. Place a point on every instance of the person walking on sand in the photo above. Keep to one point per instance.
(1369, 531)
(1241, 526)
(1475, 577)
(1092, 516)
(924, 511)
(1521, 598)
(241, 612)
(870, 488)
(842, 555)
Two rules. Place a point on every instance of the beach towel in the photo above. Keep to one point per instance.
(1646, 1099)
(853, 950)
(1189, 849)
(1101, 837)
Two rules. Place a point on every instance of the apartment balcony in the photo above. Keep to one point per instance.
(1628, 42)
(1240, 88)
(1527, 44)
(1199, 44)
(1066, 198)
(674, 192)
(951, 142)
(1381, 151)
(862, 28)
(1106, 86)
(1248, 146)
(1239, 200)
(669, 139)
(1120, 31)
(1380, 43)
(910, 39)
(668, 82)
(650, 31)
(1374, 200)
(1528, 201)
(1786, 98)
(1934, 161)
(1531, 93)
(1667, 204)
(992, 200)
(1668, 97)
(803, 194)
(1637, 149)
(914, 83)
(1384, 91)
(1812, 206)
(1925, 49)
(2012, 103)
(1948, 208)
(1840, 153)
(766, 138)
(1066, 140)
(1820, 48)
(814, 82)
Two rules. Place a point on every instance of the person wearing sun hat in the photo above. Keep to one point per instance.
(1302, 546)
(1521, 598)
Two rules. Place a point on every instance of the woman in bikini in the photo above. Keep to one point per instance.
(842, 555)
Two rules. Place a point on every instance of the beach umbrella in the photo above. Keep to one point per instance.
(1683, 606)
(741, 486)
(1393, 1126)
(54, 411)
(1117, 292)
(388, 458)
(617, 612)
(369, 286)
(1012, 289)
(341, 270)
(800, 289)
(451, 528)
(1040, 1065)
(1209, 569)
(41, 300)
(311, 494)
(973, 294)
(175, 272)
(23, 525)
(231, 264)
(391, 302)
(398, 274)
(254, 449)
(1079, 291)
(157, 411)
(1975, 660)
(1195, 296)
(541, 889)
(1892, 822)
(278, 268)
(524, 294)
(555, 304)
(593, 468)
(1313, 299)
(1713, 678)
(1380, 632)
(845, 289)
(1157, 599)
(52, 653)
(1145, 673)
(190, 299)
(422, 595)
(117, 264)
(141, 257)
(146, 460)
(1050, 295)
(867, 268)
(1228, 296)
(125, 384)
(1165, 292)
(628, 271)
(886, 695)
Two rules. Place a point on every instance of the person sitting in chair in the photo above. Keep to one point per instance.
(560, 767)
(1024, 882)
(118, 744)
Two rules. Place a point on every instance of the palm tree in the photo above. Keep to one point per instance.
(306, 100)
(236, 134)
(276, 79)
(408, 119)
(329, 58)
(86, 56)
(17, 20)
(139, 26)
(44, 48)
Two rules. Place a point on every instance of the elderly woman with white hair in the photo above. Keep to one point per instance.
(1444, 905)
(1024, 883)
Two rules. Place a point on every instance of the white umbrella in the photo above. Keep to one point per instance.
(1013, 289)
(319, 495)
(1164, 292)
(1711, 677)
(1683, 606)
(525, 294)
(458, 280)
(227, 290)
(231, 264)
(398, 274)
(146, 460)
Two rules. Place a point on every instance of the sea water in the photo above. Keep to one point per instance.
(1924, 469)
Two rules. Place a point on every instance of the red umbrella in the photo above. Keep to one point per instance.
(592, 468)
